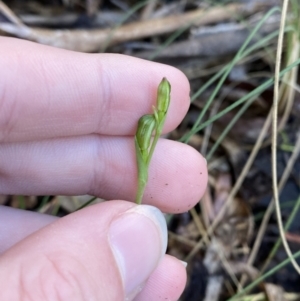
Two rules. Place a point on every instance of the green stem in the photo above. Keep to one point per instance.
(153, 145)
(140, 191)
(142, 173)
(144, 143)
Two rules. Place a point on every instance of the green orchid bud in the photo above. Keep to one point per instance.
(146, 126)
(163, 96)
(143, 141)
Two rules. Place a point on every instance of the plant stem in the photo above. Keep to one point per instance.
(144, 144)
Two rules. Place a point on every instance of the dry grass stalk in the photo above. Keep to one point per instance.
(93, 40)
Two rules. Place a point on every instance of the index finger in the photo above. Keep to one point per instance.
(47, 92)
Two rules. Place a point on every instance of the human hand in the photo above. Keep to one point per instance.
(67, 122)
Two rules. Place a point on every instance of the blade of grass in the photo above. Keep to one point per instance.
(123, 20)
(236, 186)
(55, 208)
(263, 277)
(217, 219)
(261, 43)
(229, 127)
(227, 71)
(274, 135)
(270, 208)
(173, 36)
(257, 91)
(21, 202)
(292, 55)
(44, 201)
(219, 73)
(87, 203)
(278, 242)
(169, 41)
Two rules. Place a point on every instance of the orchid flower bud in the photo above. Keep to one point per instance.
(163, 96)
(146, 126)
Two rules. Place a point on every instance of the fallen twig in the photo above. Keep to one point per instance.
(93, 40)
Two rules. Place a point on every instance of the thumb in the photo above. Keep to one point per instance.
(104, 252)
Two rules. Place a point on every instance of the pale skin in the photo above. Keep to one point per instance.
(67, 122)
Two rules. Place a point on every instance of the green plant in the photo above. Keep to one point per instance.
(147, 125)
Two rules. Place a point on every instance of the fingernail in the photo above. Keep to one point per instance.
(184, 263)
(138, 239)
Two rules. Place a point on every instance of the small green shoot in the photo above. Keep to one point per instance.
(147, 125)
